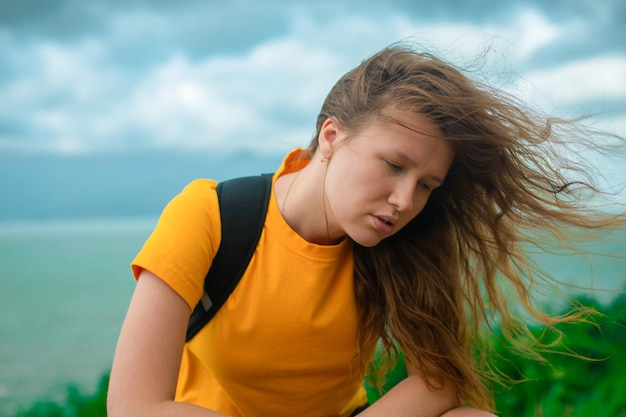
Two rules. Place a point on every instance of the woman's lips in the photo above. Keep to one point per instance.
(383, 224)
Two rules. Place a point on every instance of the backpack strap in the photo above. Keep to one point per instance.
(243, 206)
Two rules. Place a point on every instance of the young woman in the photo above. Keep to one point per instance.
(402, 222)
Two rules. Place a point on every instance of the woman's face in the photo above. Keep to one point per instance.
(380, 178)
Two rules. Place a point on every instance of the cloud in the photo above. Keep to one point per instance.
(199, 27)
(591, 80)
(227, 102)
(57, 92)
(248, 74)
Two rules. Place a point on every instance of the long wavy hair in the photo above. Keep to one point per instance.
(458, 269)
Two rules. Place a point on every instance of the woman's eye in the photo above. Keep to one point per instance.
(425, 186)
(393, 166)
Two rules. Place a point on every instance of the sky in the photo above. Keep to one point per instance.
(85, 77)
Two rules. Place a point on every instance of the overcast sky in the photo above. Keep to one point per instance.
(79, 76)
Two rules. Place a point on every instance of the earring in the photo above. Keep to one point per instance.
(323, 160)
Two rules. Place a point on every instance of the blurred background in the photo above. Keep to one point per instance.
(108, 108)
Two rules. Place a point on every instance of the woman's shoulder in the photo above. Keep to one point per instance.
(200, 185)
(201, 192)
(195, 204)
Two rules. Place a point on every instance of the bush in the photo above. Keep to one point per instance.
(77, 404)
(566, 385)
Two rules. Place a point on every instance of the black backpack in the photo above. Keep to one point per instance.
(243, 206)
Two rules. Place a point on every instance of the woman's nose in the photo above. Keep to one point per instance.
(403, 196)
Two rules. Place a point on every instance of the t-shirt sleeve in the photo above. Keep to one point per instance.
(184, 242)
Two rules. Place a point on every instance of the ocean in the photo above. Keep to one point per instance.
(64, 289)
(65, 286)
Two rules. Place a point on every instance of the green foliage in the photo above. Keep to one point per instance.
(391, 376)
(77, 404)
(566, 385)
(563, 386)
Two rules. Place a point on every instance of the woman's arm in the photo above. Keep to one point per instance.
(149, 350)
(413, 398)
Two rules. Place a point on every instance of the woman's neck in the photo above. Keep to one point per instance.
(301, 201)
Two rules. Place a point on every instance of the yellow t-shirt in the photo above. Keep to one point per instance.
(284, 343)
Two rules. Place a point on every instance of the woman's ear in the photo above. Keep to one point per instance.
(327, 138)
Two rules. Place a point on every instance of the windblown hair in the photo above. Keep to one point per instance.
(459, 268)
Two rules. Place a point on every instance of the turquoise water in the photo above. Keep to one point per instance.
(64, 288)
